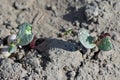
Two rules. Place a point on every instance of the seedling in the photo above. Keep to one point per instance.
(68, 32)
(24, 37)
(103, 43)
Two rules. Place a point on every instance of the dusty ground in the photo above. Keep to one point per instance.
(62, 58)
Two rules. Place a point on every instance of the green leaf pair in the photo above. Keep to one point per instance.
(87, 40)
(24, 37)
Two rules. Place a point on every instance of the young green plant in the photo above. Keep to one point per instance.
(24, 37)
(103, 43)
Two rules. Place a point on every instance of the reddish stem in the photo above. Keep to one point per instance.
(104, 35)
(32, 44)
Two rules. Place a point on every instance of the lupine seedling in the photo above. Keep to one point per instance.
(103, 43)
(24, 37)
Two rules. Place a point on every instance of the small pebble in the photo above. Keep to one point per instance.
(38, 35)
(92, 11)
(20, 54)
(48, 7)
(71, 73)
(84, 25)
(53, 8)
(7, 23)
(76, 23)
(91, 27)
(62, 29)
(115, 36)
(117, 7)
(59, 35)
(4, 52)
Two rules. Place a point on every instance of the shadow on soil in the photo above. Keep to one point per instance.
(47, 44)
(74, 15)
(56, 43)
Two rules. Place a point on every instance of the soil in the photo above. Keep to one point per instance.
(58, 56)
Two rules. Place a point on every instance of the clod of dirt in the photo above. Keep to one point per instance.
(10, 70)
(23, 4)
(4, 52)
(92, 11)
(32, 63)
(23, 17)
(59, 57)
(117, 7)
(52, 8)
(115, 36)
